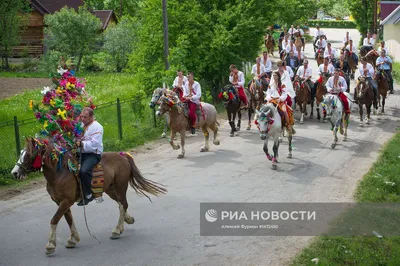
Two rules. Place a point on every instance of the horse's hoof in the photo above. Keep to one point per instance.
(248, 128)
(289, 155)
(70, 244)
(216, 142)
(361, 124)
(163, 135)
(274, 167)
(129, 220)
(301, 122)
(231, 134)
(180, 156)
(333, 145)
(50, 249)
(114, 235)
(238, 128)
(203, 150)
(345, 139)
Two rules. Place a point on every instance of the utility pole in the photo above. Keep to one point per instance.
(165, 21)
(375, 8)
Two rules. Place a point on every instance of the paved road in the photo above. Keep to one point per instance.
(167, 231)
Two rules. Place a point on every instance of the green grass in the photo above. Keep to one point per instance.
(396, 72)
(380, 184)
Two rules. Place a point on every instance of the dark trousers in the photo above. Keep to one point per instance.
(89, 160)
(390, 79)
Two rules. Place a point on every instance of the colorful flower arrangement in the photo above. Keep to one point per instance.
(59, 110)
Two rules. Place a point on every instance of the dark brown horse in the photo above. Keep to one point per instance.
(371, 57)
(231, 102)
(255, 94)
(351, 62)
(270, 44)
(365, 96)
(383, 87)
(63, 187)
(320, 57)
(303, 97)
(321, 91)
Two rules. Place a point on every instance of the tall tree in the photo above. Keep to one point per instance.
(11, 22)
(362, 12)
(73, 32)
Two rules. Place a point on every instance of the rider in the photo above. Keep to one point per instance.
(179, 82)
(367, 71)
(292, 61)
(326, 67)
(321, 44)
(330, 52)
(281, 37)
(192, 95)
(337, 85)
(267, 63)
(382, 47)
(91, 145)
(277, 93)
(344, 66)
(285, 43)
(352, 51)
(282, 65)
(236, 77)
(257, 71)
(287, 81)
(346, 39)
(291, 32)
(305, 73)
(301, 34)
(385, 62)
(317, 34)
(369, 41)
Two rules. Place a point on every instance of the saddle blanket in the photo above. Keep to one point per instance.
(199, 111)
(98, 181)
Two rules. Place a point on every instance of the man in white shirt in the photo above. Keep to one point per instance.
(267, 63)
(192, 95)
(382, 47)
(179, 82)
(369, 41)
(236, 77)
(346, 39)
(282, 65)
(321, 44)
(367, 71)
(258, 69)
(384, 62)
(330, 52)
(285, 43)
(291, 32)
(324, 69)
(352, 51)
(305, 73)
(337, 85)
(91, 145)
(317, 34)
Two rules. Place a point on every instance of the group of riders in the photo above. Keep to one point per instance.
(293, 65)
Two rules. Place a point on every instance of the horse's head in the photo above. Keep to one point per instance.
(227, 93)
(325, 77)
(30, 159)
(361, 87)
(157, 93)
(167, 101)
(264, 119)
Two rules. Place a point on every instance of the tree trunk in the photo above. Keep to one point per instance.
(78, 66)
(120, 8)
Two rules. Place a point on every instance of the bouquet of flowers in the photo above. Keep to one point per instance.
(59, 110)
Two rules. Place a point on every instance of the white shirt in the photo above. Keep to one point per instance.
(184, 81)
(371, 42)
(301, 32)
(329, 68)
(267, 64)
(290, 71)
(370, 72)
(345, 40)
(272, 92)
(323, 43)
(354, 49)
(290, 47)
(341, 85)
(254, 70)
(380, 50)
(333, 52)
(285, 44)
(291, 31)
(92, 140)
(307, 74)
(196, 92)
(240, 79)
(318, 33)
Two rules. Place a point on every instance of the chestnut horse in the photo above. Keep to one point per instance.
(371, 57)
(320, 57)
(270, 44)
(63, 187)
(365, 96)
(303, 97)
(383, 87)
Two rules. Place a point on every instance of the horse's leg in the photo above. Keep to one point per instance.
(312, 109)
(74, 238)
(120, 194)
(345, 125)
(166, 118)
(183, 135)
(360, 107)
(171, 140)
(275, 158)
(290, 137)
(111, 192)
(206, 138)
(265, 148)
(302, 110)
(233, 120)
(368, 113)
(231, 123)
(383, 105)
(214, 128)
(63, 207)
(249, 124)
(239, 120)
(318, 113)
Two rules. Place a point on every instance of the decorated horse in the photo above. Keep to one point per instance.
(270, 44)
(365, 96)
(231, 102)
(179, 120)
(118, 171)
(303, 97)
(320, 92)
(269, 123)
(333, 107)
(383, 88)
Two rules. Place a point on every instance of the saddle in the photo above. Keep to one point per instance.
(97, 179)
(199, 111)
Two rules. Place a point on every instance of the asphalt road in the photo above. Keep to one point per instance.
(167, 231)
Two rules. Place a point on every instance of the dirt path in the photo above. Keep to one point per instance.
(13, 86)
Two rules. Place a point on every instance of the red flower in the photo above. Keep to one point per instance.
(72, 80)
(220, 95)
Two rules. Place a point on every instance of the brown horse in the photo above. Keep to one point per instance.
(320, 92)
(371, 57)
(178, 121)
(298, 43)
(255, 96)
(320, 57)
(352, 64)
(383, 87)
(365, 96)
(63, 187)
(303, 97)
(270, 44)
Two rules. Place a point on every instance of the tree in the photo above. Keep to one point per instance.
(11, 23)
(72, 32)
(362, 12)
(339, 10)
(119, 41)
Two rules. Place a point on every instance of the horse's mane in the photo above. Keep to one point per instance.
(268, 107)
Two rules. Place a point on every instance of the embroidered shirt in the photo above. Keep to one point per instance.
(240, 80)
(369, 68)
(196, 91)
(340, 86)
(176, 82)
(92, 141)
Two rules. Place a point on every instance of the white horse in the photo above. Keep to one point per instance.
(336, 116)
(269, 124)
(157, 93)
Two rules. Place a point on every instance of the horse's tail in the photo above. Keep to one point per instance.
(141, 184)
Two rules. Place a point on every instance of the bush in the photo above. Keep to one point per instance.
(49, 61)
(341, 24)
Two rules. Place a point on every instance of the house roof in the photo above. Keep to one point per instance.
(51, 6)
(393, 17)
(105, 16)
(387, 7)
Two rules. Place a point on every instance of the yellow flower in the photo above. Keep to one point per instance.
(52, 102)
(31, 104)
(59, 90)
(45, 124)
(61, 113)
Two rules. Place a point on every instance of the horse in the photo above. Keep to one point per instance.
(255, 96)
(371, 57)
(303, 97)
(270, 44)
(320, 57)
(364, 50)
(352, 64)
(365, 96)
(336, 115)
(298, 42)
(269, 123)
(320, 92)
(157, 93)
(63, 186)
(383, 87)
(231, 102)
(179, 122)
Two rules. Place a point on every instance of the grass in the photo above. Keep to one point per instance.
(380, 184)
(396, 71)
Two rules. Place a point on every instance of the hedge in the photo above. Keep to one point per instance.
(341, 24)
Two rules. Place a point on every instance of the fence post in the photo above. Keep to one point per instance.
(154, 117)
(16, 133)
(119, 119)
